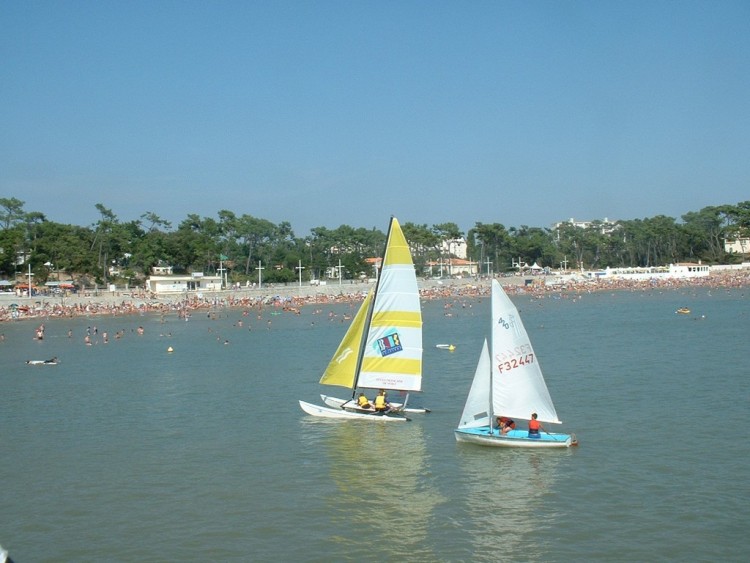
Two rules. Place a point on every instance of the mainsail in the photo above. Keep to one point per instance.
(518, 386)
(383, 347)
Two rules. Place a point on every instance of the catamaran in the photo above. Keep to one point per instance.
(382, 349)
(508, 382)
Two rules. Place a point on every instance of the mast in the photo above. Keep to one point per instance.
(492, 348)
(368, 320)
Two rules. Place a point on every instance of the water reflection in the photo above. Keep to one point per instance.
(384, 492)
(505, 496)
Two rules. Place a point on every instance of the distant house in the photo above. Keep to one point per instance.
(683, 270)
(737, 245)
(162, 270)
(455, 247)
(160, 284)
(452, 267)
(604, 226)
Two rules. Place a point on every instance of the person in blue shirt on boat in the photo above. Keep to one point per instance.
(535, 426)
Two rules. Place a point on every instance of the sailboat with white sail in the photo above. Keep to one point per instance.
(382, 349)
(508, 382)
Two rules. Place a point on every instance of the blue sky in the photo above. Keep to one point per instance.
(325, 113)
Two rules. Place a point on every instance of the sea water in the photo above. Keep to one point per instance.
(128, 452)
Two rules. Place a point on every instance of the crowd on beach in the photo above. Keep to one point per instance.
(119, 305)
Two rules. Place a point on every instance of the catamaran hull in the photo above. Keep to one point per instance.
(336, 403)
(513, 439)
(327, 412)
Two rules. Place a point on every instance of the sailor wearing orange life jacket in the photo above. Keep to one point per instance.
(505, 424)
(535, 426)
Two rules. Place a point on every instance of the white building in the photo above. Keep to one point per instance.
(182, 284)
(452, 267)
(455, 247)
(738, 245)
(675, 271)
(604, 226)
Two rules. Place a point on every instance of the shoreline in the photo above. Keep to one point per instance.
(293, 297)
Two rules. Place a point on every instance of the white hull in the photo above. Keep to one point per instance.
(327, 412)
(337, 403)
(514, 439)
(41, 363)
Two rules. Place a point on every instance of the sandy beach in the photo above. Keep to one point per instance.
(292, 296)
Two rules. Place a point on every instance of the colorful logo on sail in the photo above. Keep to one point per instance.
(389, 344)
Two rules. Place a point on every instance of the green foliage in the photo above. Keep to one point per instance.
(130, 250)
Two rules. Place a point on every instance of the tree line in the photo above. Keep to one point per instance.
(114, 251)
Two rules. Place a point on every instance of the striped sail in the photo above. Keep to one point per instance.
(392, 356)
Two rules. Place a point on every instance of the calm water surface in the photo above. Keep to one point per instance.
(125, 452)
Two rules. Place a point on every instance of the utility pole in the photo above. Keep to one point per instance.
(260, 275)
(30, 274)
(300, 268)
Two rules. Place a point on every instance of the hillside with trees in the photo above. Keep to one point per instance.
(124, 252)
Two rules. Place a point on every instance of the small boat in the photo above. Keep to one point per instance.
(50, 362)
(449, 347)
(683, 311)
(509, 382)
(4, 557)
(382, 349)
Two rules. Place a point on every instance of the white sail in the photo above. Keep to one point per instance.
(518, 387)
(477, 408)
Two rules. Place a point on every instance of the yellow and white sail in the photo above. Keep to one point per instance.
(386, 334)
(342, 369)
(392, 357)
